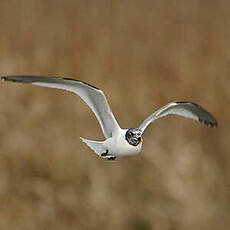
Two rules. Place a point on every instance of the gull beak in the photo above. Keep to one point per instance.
(142, 139)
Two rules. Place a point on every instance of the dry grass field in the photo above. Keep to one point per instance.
(143, 54)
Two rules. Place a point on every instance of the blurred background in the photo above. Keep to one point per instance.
(143, 54)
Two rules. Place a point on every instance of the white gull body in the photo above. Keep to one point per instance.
(118, 142)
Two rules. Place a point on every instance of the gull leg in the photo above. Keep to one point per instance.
(109, 157)
(112, 158)
(105, 153)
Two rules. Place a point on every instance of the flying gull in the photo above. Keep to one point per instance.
(119, 142)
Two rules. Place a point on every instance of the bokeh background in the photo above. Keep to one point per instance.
(143, 54)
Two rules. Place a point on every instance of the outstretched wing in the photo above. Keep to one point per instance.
(93, 96)
(184, 109)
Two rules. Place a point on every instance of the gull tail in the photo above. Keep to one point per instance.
(96, 146)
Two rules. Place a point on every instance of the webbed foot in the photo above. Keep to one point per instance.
(111, 158)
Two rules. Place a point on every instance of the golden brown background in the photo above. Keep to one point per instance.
(143, 54)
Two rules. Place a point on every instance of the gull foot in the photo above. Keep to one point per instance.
(105, 153)
(111, 158)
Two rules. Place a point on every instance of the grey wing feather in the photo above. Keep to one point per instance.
(93, 96)
(184, 109)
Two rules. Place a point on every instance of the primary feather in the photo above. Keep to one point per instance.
(184, 109)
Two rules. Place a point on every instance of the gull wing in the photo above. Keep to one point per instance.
(91, 95)
(184, 109)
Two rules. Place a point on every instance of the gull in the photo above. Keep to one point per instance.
(118, 142)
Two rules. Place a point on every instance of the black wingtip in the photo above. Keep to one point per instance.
(213, 123)
(8, 78)
(37, 78)
(208, 120)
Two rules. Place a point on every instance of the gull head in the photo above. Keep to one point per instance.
(134, 136)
